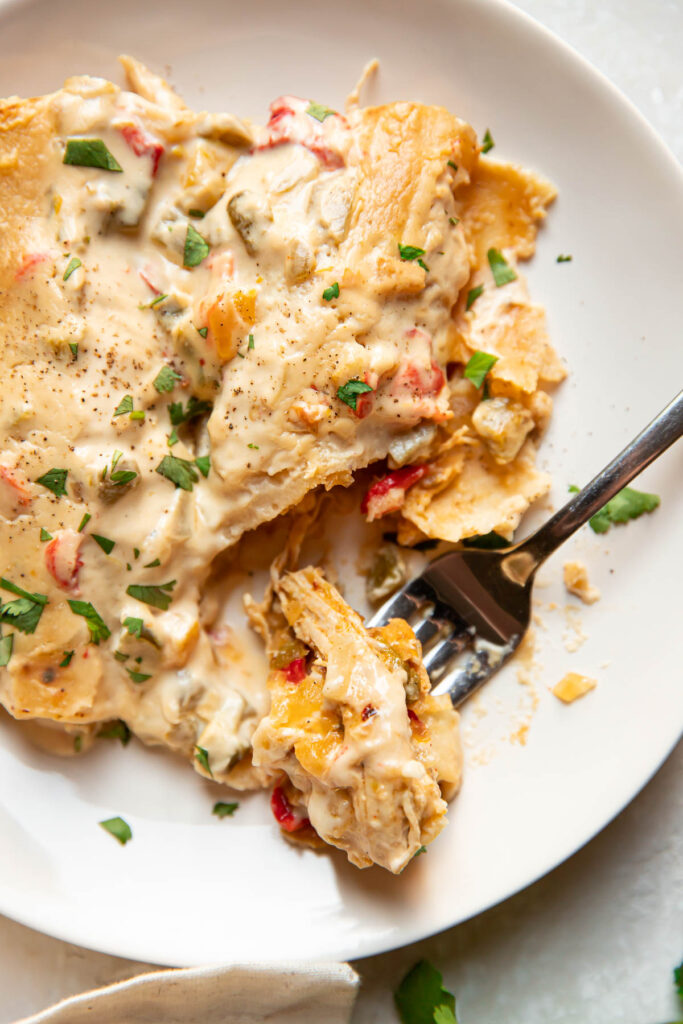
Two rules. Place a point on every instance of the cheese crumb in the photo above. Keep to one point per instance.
(572, 686)
(576, 582)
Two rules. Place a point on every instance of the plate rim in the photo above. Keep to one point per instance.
(385, 944)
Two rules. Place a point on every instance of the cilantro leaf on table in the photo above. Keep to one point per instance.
(422, 999)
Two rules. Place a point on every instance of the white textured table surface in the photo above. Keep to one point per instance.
(595, 941)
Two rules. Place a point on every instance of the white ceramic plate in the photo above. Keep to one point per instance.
(190, 889)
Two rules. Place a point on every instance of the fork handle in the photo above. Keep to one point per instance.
(664, 429)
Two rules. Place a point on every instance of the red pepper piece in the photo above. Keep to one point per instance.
(286, 817)
(400, 479)
(143, 144)
(296, 670)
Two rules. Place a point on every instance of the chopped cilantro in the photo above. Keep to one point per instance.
(96, 625)
(172, 438)
(166, 379)
(410, 252)
(66, 659)
(119, 828)
(202, 756)
(152, 565)
(105, 543)
(196, 248)
(197, 214)
(138, 414)
(478, 366)
(349, 392)
(181, 472)
(138, 677)
(90, 153)
(119, 477)
(156, 595)
(487, 142)
(563, 259)
(203, 331)
(203, 464)
(421, 996)
(422, 849)
(84, 521)
(124, 406)
(453, 221)
(487, 541)
(332, 292)
(319, 112)
(120, 656)
(627, 504)
(54, 480)
(500, 268)
(222, 810)
(472, 295)
(251, 445)
(452, 164)
(74, 264)
(195, 407)
(78, 743)
(73, 345)
(156, 300)
(6, 645)
(251, 342)
(133, 625)
(24, 613)
(44, 535)
(117, 730)
(136, 553)
(573, 489)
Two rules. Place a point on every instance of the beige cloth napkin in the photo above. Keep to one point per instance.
(286, 994)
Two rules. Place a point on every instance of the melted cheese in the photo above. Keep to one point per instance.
(174, 337)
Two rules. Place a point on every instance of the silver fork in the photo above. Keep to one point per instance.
(471, 608)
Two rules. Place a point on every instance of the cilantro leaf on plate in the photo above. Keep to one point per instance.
(119, 828)
(627, 504)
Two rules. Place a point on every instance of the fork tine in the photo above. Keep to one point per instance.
(404, 604)
(437, 660)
